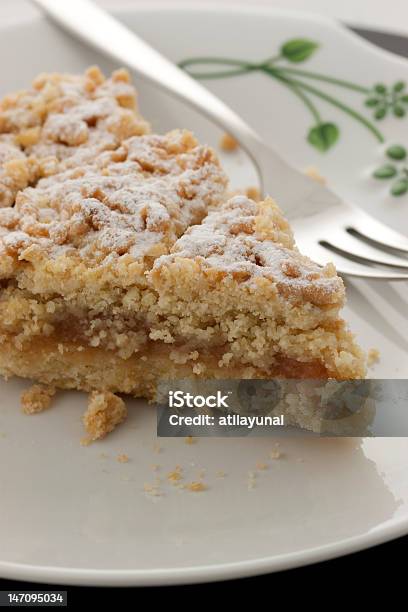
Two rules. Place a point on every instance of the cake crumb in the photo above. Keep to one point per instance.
(228, 143)
(190, 440)
(196, 486)
(157, 448)
(86, 441)
(105, 411)
(275, 454)
(314, 174)
(260, 466)
(123, 458)
(373, 356)
(37, 398)
(155, 467)
(253, 193)
(220, 474)
(175, 475)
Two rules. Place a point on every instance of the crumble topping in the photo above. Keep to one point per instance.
(135, 201)
(63, 122)
(37, 398)
(16, 171)
(248, 240)
(105, 411)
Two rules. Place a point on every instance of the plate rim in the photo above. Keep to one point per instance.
(390, 530)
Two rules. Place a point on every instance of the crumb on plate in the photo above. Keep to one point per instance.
(228, 143)
(195, 486)
(314, 174)
(175, 475)
(37, 398)
(253, 193)
(123, 458)
(105, 411)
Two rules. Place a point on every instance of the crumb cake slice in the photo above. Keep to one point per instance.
(122, 263)
(63, 121)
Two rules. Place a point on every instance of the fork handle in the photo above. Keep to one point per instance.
(97, 27)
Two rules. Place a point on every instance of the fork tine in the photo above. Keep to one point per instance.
(377, 232)
(362, 250)
(322, 256)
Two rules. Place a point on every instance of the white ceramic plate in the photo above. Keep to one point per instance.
(75, 515)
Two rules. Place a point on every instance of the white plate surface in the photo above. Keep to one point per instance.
(70, 514)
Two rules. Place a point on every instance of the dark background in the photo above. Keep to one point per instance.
(360, 574)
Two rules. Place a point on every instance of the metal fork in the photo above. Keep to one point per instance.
(326, 227)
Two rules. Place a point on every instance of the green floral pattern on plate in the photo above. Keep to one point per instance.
(380, 100)
(397, 170)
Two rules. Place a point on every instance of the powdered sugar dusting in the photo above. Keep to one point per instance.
(136, 201)
(62, 122)
(236, 240)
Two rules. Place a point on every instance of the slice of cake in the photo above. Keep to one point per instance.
(63, 121)
(88, 304)
(124, 263)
